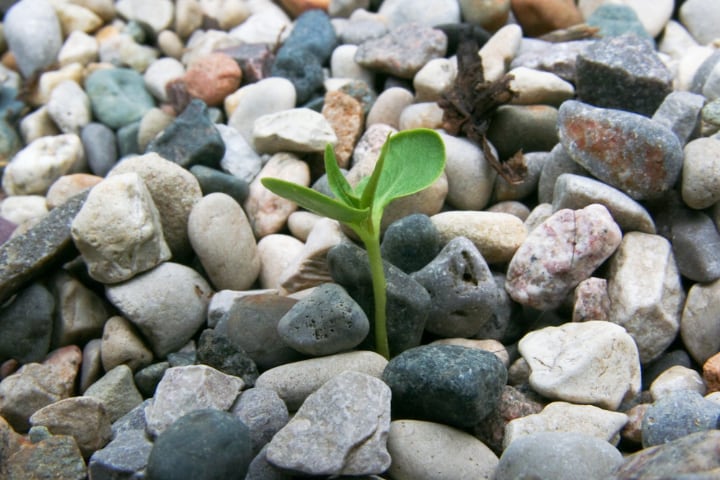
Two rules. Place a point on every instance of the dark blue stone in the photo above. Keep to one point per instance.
(303, 69)
(26, 325)
(676, 415)
(408, 302)
(204, 444)
(448, 384)
(411, 242)
(191, 139)
(100, 148)
(124, 458)
(212, 180)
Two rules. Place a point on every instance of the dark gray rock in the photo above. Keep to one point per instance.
(676, 415)
(41, 248)
(680, 112)
(118, 96)
(133, 420)
(407, 301)
(124, 458)
(218, 351)
(530, 128)
(623, 72)
(148, 378)
(212, 180)
(692, 457)
(557, 163)
(411, 242)
(696, 245)
(203, 444)
(449, 384)
(626, 150)
(304, 71)
(251, 325)
(100, 147)
(558, 456)
(554, 57)
(463, 292)
(616, 20)
(325, 322)
(261, 469)
(26, 325)
(191, 139)
(264, 413)
(127, 139)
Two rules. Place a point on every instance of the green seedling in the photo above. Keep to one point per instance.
(409, 162)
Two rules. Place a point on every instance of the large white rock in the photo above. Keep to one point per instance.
(591, 362)
(118, 230)
(251, 102)
(293, 130)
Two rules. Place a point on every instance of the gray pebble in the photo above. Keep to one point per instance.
(125, 457)
(26, 325)
(264, 412)
(676, 415)
(100, 147)
(411, 242)
(680, 112)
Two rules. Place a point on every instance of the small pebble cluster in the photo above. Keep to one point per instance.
(164, 316)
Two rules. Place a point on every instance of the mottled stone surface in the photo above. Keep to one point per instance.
(26, 325)
(351, 413)
(562, 251)
(677, 415)
(264, 412)
(411, 242)
(626, 150)
(698, 326)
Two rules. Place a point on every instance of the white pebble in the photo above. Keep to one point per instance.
(293, 130)
(421, 115)
(434, 79)
(69, 107)
(78, 47)
(161, 72)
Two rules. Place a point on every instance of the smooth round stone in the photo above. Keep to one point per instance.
(159, 74)
(489, 14)
(51, 78)
(676, 415)
(264, 412)
(421, 115)
(215, 181)
(448, 384)
(276, 252)
(34, 168)
(425, 12)
(23, 22)
(558, 163)
(700, 173)
(664, 362)
(388, 106)
(169, 324)
(499, 50)
(265, 25)
(150, 126)
(117, 392)
(118, 96)
(222, 238)
(77, 18)
(677, 378)
(530, 128)
(293, 130)
(496, 235)
(538, 87)
(68, 186)
(252, 101)
(26, 325)
(157, 15)
(434, 79)
(470, 176)
(325, 322)
(79, 47)
(123, 345)
(534, 163)
(560, 456)
(410, 243)
(69, 107)
(701, 18)
(698, 328)
(223, 438)
(695, 240)
(170, 44)
(343, 65)
(427, 451)
(212, 78)
(33, 126)
(24, 208)
(512, 207)
(100, 147)
(645, 158)
(219, 352)
(174, 191)
(538, 17)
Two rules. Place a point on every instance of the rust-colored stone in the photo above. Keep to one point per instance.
(212, 78)
(711, 373)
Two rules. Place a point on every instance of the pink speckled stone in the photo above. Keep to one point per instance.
(591, 300)
(558, 254)
(213, 77)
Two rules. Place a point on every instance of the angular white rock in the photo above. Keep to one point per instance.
(186, 389)
(535, 86)
(591, 362)
(269, 95)
(161, 72)
(435, 78)
(79, 47)
(294, 130)
(34, 168)
(499, 51)
(646, 296)
(158, 14)
(118, 230)
(568, 417)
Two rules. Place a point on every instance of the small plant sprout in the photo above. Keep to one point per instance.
(409, 162)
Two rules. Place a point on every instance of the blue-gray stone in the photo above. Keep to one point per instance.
(676, 415)
(118, 96)
(204, 444)
(26, 325)
(407, 301)
(131, 421)
(251, 325)
(303, 53)
(264, 413)
(703, 72)
(463, 292)
(530, 128)
(191, 139)
(125, 458)
(615, 20)
(411, 242)
(449, 384)
(127, 139)
(680, 112)
(261, 469)
(212, 180)
(558, 456)
(325, 322)
(216, 350)
(100, 147)
(696, 245)
(711, 113)
(623, 72)
(557, 163)
(10, 111)
(33, 34)
(147, 379)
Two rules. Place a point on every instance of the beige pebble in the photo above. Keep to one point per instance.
(68, 186)
(122, 344)
(421, 115)
(276, 252)
(388, 106)
(677, 378)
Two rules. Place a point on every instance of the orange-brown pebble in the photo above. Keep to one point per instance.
(632, 431)
(538, 17)
(711, 373)
(68, 186)
(296, 7)
(8, 60)
(346, 117)
(212, 78)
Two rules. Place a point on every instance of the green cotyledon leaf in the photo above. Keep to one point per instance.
(316, 202)
(336, 180)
